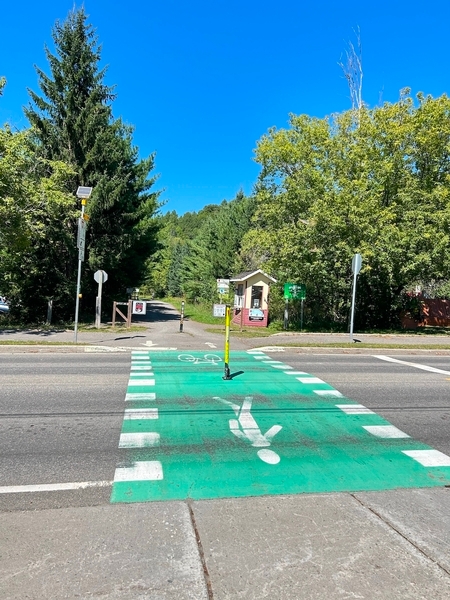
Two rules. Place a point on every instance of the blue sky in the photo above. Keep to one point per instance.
(202, 81)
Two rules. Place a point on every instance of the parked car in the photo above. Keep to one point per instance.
(4, 306)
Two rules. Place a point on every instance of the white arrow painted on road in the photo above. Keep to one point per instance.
(154, 346)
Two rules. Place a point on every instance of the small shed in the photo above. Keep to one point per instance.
(251, 300)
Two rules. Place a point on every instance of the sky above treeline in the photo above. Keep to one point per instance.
(201, 81)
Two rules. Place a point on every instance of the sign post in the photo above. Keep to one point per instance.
(301, 315)
(293, 291)
(100, 277)
(356, 268)
(83, 193)
(227, 343)
(286, 313)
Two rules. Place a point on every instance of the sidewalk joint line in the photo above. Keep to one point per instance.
(405, 537)
(201, 552)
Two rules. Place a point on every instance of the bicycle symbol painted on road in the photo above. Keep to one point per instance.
(208, 359)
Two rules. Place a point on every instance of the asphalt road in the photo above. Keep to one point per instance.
(61, 414)
(60, 418)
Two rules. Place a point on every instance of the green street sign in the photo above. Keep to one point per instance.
(294, 291)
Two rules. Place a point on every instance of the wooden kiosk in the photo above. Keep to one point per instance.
(251, 300)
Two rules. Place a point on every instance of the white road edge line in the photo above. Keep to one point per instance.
(410, 364)
(53, 487)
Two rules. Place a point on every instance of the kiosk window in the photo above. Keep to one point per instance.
(257, 293)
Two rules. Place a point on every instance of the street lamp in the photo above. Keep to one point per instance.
(83, 193)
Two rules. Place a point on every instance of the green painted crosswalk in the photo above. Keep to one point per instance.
(187, 433)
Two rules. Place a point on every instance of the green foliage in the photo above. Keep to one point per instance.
(72, 122)
(36, 213)
(329, 189)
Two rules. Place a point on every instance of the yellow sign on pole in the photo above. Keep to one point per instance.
(227, 342)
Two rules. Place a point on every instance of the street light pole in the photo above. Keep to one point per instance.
(83, 193)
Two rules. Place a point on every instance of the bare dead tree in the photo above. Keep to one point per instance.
(353, 72)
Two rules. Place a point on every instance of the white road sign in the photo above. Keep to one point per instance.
(223, 286)
(356, 264)
(101, 276)
(219, 310)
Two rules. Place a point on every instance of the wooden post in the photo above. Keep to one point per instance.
(130, 307)
(114, 314)
(243, 306)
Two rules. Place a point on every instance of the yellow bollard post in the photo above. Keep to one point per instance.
(227, 342)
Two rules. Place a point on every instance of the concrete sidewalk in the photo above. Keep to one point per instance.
(375, 545)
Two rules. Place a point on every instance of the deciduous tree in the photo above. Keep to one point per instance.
(328, 190)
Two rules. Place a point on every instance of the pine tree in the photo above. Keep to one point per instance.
(73, 122)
